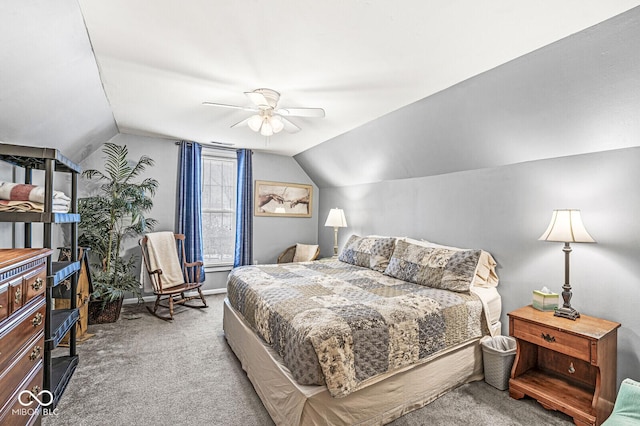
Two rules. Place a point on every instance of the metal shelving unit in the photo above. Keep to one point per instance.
(58, 322)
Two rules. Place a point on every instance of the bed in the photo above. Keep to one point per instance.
(364, 339)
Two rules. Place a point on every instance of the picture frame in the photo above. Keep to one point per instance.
(282, 199)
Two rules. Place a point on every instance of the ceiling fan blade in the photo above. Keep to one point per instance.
(243, 108)
(289, 127)
(241, 123)
(258, 99)
(301, 112)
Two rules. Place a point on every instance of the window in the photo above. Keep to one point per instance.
(218, 207)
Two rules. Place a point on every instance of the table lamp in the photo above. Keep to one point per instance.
(337, 220)
(566, 227)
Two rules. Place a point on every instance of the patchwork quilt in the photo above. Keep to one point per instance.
(341, 325)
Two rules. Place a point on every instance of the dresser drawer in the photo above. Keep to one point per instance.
(20, 367)
(550, 338)
(16, 295)
(35, 283)
(20, 414)
(26, 324)
(4, 301)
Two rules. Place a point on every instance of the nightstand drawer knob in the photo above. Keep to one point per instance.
(549, 338)
(571, 369)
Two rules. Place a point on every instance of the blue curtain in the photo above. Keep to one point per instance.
(189, 215)
(244, 210)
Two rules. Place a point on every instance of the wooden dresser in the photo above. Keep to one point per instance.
(23, 281)
(566, 365)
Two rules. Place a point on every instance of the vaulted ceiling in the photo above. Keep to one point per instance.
(145, 67)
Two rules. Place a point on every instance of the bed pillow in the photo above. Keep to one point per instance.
(486, 275)
(368, 252)
(434, 267)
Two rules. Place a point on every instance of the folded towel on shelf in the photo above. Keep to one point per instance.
(31, 206)
(25, 192)
(60, 206)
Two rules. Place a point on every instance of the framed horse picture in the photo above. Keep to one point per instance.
(282, 199)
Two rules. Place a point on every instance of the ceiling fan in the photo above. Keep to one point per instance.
(269, 118)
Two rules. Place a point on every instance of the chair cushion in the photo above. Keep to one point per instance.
(305, 252)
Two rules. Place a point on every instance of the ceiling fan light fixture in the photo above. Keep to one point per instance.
(267, 118)
(255, 122)
(276, 123)
(266, 129)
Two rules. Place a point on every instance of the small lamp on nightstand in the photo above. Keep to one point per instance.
(566, 227)
(337, 220)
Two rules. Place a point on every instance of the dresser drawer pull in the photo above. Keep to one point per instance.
(549, 338)
(37, 284)
(571, 369)
(18, 297)
(34, 392)
(37, 320)
(35, 353)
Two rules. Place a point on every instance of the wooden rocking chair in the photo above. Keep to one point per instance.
(169, 279)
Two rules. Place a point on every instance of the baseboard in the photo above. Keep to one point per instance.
(152, 298)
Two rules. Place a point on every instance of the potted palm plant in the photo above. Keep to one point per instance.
(113, 215)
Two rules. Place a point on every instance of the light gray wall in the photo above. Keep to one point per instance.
(473, 166)
(271, 235)
(505, 210)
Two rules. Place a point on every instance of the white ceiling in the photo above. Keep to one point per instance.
(360, 59)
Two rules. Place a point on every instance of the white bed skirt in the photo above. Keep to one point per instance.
(290, 403)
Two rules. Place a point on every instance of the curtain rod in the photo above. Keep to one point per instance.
(211, 145)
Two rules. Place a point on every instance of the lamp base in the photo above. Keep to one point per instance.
(569, 313)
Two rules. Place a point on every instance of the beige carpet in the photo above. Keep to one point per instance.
(145, 371)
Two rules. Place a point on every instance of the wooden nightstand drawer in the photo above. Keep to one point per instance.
(556, 340)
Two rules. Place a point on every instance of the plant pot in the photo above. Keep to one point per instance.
(110, 313)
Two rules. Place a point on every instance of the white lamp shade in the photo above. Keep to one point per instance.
(566, 226)
(336, 219)
(276, 123)
(266, 129)
(254, 123)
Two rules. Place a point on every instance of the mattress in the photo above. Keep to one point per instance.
(345, 326)
(290, 403)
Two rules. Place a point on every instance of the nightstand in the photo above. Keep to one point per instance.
(566, 365)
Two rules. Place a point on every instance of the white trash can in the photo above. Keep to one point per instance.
(498, 354)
